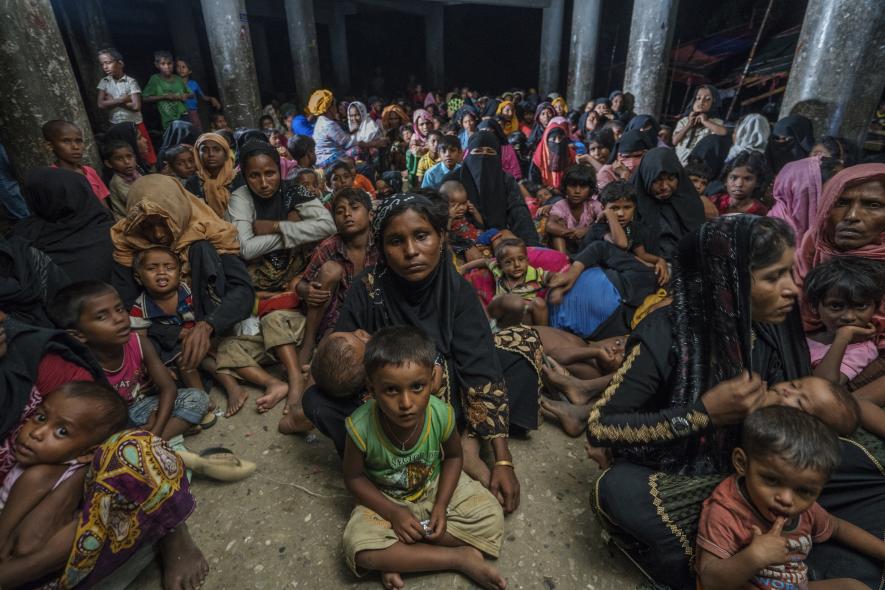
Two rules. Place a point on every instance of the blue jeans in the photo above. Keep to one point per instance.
(190, 405)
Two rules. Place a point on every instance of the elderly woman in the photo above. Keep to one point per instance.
(693, 371)
(331, 140)
(750, 135)
(366, 131)
(850, 221)
(492, 382)
(700, 120)
(277, 222)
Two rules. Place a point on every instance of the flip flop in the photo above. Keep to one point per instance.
(218, 463)
(206, 423)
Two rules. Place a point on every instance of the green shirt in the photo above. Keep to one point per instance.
(403, 475)
(170, 110)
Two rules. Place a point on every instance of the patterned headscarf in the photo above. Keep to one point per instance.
(319, 102)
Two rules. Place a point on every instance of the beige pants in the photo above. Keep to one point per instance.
(284, 326)
(473, 516)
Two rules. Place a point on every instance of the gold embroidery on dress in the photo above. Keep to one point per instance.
(665, 518)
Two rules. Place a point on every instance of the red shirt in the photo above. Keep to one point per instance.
(98, 186)
(723, 202)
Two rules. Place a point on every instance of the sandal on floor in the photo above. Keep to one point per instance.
(218, 463)
(206, 423)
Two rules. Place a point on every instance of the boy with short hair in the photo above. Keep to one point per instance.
(431, 157)
(699, 173)
(449, 149)
(416, 512)
(616, 225)
(65, 140)
(334, 264)
(758, 526)
(183, 69)
(167, 90)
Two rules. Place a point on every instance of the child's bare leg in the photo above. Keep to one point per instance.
(837, 584)
(578, 392)
(474, 466)
(275, 390)
(538, 309)
(558, 243)
(329, 277)
(422, 557)
(184, 566)
(189, 377)
(293, 420)
(50, 557)
(236, 395)
(572, 418)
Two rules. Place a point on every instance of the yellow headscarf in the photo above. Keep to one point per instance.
(510, 125)
(188, 219)
(560, 101)
(215, 189)
(319, 102)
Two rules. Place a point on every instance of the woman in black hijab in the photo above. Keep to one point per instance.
(544, 113)
(68, 224)
(667, 204)
(494, 193)
(791, 139)
(649, 127)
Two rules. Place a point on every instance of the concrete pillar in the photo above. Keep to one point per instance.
(651, 36)
(38, 83)
(263, 62)
(839, 68)
(582, 56)
(434, 48)
(184, 30)
(340, 60)
(551, 47)
(303, 44)
(87, 32)
(227, 27)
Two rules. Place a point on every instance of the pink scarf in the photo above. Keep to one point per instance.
(796, 191)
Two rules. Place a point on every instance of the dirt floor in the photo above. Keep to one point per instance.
(281, 528)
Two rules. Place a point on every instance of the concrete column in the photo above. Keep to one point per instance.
(263, 62)
(29, 36)
(434, 48)
(227, 27)
(87, 32)
(651, 36)
(303, 44)
(551, 47)
(340, 60)
(839, 68)
(184, 30)
(582, 56)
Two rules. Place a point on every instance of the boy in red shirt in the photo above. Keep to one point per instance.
(65, 141)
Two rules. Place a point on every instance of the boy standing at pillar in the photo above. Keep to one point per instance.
(167, 90)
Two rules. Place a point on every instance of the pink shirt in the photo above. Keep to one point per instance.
(589, 213)
(127, 380)
(856, 358)
(17, 472)
(98, 186)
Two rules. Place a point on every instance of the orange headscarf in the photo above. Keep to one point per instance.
(510, 125)
(551, 167)
(187, 218)
(818, 245)
(393, 108)
(215, 189)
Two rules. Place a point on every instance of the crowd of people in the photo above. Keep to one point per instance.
(420, 280)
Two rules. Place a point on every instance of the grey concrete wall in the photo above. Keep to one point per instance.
(651, 37)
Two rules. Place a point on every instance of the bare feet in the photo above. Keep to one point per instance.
(475, 567)
(184, 566)
(392, 580)
(474, 466)
(574, 389)
(236, 398)
(275, 392)
(294, 420)
(573, 419)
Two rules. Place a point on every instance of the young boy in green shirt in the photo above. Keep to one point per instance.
(417, 511)
(167, 90)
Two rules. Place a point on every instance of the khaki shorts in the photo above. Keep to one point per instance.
(473, 516)
(283, 326)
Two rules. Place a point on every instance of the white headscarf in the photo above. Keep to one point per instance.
(751, 134)
(368, 129)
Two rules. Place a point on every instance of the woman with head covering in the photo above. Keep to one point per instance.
(648, 125)
(667, 204)
(700, 120)
(67, 224)
(365, 129)
(588, 122)
(216, 176)
(331, 139)
(559, 106)
(553, 155)
(141, 147)
(492, 381)
(467, 119)
(506, 112)
(791, 139)
(623, 159)
(491, 108)
(422, 124)
(277, 221)
(796, 192)
(155, 501)
(163, 213)
(544, 113)
(750, 134)
(509, 160)
(494, 193)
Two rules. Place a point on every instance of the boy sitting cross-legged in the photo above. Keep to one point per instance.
(417, 511)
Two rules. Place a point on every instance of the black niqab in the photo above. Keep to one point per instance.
(484, 180)
(799, 132)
